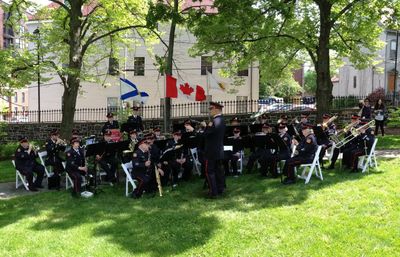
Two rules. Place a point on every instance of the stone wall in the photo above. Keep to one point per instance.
(40, 132)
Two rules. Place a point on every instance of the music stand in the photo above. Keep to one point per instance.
(93, 150)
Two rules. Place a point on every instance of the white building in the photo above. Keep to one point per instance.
(353, 82)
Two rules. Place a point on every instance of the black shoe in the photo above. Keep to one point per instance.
(354, 171)
(331, 167)
(211, 196)
(288, 181)
(75, 194)
(39, 186)
(33, 189)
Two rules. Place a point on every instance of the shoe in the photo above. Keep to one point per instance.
(289, 181)
(354, 171)
(75, 194)
(39, 186)
(33, 189)
(211, 197)
(331, 167)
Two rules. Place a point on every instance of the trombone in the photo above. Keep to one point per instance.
(354, 132)
(339, 136)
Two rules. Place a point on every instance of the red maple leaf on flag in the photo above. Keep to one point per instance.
(186, 89)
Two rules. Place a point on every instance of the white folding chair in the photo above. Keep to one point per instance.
(240, 162)
(368, 161)
(42, 157)
(19, 178)
(68, 180)
(196, 162)
(129, 179)
(282, 162)
(311, 167)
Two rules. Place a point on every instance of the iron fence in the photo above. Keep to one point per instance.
(194, 109)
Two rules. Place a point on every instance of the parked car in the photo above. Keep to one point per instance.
(271, 100)
(308, 100)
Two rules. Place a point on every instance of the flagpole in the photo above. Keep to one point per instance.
(208, 95)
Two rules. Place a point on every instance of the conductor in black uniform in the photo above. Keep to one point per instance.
(110, 124)
(76, 167)
(214, 151)
(25, 162)
(135, 121)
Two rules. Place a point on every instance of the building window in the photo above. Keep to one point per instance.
(355, 82)
(139, 66)
(392, 52)
(204, 105)
(241, 104)
(16, 97)
(206, 65)
(112, 104)
(243, 73)
(23, 97)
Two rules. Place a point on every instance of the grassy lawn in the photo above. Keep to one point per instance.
(344, 215)
(7, 171)
(388, 142)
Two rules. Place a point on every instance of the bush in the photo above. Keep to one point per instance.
(345, 102)
(375, 95)
(7, 150)
(394, 118)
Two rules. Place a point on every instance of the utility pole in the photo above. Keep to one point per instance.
(37, 32)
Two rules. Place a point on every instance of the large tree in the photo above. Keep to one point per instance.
(80, 35)
(251, 30)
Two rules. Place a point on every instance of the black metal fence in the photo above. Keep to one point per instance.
(194, 109)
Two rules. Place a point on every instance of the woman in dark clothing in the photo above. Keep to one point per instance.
(379, 111)
(366, 110)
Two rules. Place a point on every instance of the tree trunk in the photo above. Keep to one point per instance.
(74, 66)
(168, 68)
(322, 66)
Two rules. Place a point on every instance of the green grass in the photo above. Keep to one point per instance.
(388, 142)
(7, 171)
(344, 215)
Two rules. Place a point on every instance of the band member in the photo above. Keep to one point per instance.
(355, 120)
(329, 129)
(77, 134)
(25, 162)
(135, 121)
(305, 151)
(283, 119)
(235, 121)
(181, 165)
(107, 160)
(363, 146)
(262, 119)
(110, 124)
(259, 151)
(155, 154)
(54, 146)
(157, 134)
(214, 151)
(141, 168)
(76, 167)
(234, 155)
(303, 120)
(271, 164)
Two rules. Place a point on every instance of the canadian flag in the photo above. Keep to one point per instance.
(183, 90)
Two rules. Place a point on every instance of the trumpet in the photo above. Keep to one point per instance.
(325, 124)
(61, 142)
(33, 147)
(354, 132)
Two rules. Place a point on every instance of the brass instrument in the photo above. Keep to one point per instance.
(339, 137)
(35, 148)
(354, 133)
(325, 124)
(61, 142)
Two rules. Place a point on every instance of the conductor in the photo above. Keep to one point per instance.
(214, 151)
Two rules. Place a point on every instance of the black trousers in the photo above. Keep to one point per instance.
(28, 171)
(187, 167)
(144, 181)
(290, 164)
(109, 166)
(215, 177)
(379, 124)
(76, 177)
(233, 159)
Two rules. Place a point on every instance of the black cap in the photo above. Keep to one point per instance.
(177, 132)
(156, 129)
(236, 130)
(216, 105)
(133, 131)
(54, 132)
(142, 141)
(108, 133)
(282, 126)
(135, 108)
(266, 125)
(307, 126)
(187, 122)
(75, 132)
(235, 119)
(73, 140)
(355, 116)
(264, 116)
(305, 114)
(23, 139)
(149, 136)
(110, 115)
(284, 116)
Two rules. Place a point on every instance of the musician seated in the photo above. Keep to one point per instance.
(355, 120)
(155, 155)
(363, 145)
(157, 133)
(269, 163)
(76, 167)
(283, 119)
(235, 121)
(305, 151)
(110, 124)
(25, 162)
(181, 165)
(142, 168)
(108, 160)
(234, 155)
(55, 146)
(76, 134)
(329, 129)
(262, 119)
(259, 151)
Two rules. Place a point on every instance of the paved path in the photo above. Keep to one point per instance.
(7, 190)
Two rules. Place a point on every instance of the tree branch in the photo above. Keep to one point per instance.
(62, 5)
(59, 72)
(344, 10)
